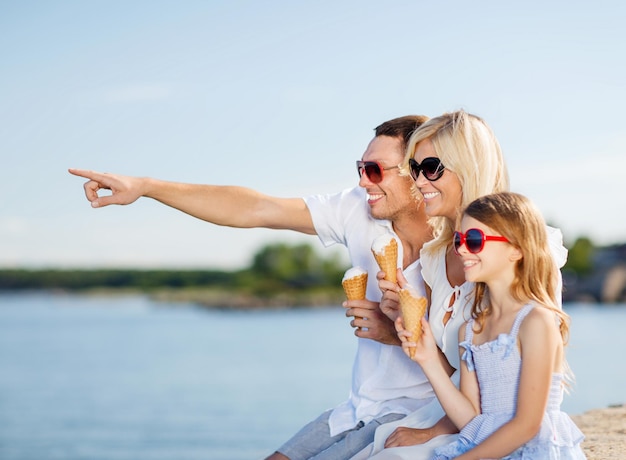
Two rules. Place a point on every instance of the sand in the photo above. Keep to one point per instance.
(605, 432)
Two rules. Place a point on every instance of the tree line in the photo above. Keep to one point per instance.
(275, 268)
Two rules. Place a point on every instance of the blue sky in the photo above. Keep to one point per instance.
(283, 97)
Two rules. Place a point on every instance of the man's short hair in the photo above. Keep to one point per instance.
(401, 127)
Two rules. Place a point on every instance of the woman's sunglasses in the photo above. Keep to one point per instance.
(373, 170)
(431, 167)
(474, 240)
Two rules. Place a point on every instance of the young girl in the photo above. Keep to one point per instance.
(512, 349)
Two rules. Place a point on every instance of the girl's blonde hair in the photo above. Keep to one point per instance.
(514, 216)
(467, 147)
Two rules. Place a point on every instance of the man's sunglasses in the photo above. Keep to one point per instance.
(431, 167)
(474, 240)
(373, 170)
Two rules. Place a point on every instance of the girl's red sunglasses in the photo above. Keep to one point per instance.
(474, 240)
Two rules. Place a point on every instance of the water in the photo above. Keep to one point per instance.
(125, 378)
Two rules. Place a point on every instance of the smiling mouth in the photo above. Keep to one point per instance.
(430, 195)
(374, 197)
(469, 263)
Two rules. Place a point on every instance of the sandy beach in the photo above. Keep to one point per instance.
(605, 432)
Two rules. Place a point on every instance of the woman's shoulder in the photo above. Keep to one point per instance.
(433, 262)
(432, 254)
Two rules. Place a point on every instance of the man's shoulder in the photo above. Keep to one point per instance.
(349, 203)
(349, 195)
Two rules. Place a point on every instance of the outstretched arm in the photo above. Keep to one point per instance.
(230, 206)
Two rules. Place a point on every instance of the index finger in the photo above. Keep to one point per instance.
(87, 174)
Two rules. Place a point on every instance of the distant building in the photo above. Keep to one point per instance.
(605, 284)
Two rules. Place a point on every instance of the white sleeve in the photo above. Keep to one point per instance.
(429, 261)
(559, 254)
(333, 214)
(555, 240)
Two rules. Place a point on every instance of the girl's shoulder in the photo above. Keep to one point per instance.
(463, 329)
(540, 320)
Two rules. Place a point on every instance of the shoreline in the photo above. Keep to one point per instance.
(605, 432)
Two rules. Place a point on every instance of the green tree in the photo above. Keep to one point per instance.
(295, 266)
(580, 256)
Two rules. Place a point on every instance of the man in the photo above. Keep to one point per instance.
(386, 385)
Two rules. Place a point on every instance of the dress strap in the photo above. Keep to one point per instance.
(468, 355)
(469, 331)
(520, 317)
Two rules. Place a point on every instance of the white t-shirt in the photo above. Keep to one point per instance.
(384, 379)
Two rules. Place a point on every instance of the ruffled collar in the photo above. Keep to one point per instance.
(504, 341)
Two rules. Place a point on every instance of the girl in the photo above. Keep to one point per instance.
(512, 349)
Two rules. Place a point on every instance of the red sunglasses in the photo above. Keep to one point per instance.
(373, 170)
(474, 240)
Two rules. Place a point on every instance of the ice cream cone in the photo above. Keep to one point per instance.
(355, 283)
(385, 250)
(413, 309)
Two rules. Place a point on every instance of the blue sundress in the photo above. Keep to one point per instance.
(498, 365)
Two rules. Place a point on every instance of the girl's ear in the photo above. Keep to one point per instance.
(516, 255)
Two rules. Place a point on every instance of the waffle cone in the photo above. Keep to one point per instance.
(413, 310)
(355, 287)
(388, 260)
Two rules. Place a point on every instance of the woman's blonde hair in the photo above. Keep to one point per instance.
(514, 216)
(467, 147)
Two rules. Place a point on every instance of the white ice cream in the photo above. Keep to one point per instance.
(352, 272)
(381, 242)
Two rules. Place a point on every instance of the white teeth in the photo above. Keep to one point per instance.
(430, 195)
(371, 196)
(469, 263)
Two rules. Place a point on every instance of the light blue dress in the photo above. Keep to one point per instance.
(498, 365)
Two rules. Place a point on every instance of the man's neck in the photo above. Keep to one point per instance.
(413, 231)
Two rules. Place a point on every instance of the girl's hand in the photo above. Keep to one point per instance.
(425, 349)
(404, 336)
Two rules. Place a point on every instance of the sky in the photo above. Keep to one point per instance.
(283, 97)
